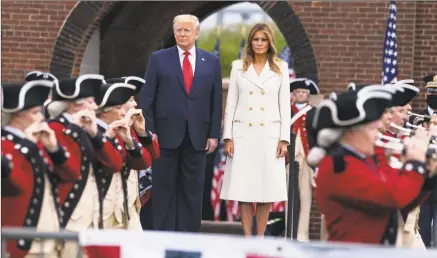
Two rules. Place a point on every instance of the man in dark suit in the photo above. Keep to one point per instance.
(182, 104)
(428, 210)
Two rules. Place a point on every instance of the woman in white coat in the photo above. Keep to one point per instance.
(257, 129)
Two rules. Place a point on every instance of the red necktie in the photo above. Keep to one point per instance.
(187, 72)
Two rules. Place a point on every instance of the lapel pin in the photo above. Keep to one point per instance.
(203, 59)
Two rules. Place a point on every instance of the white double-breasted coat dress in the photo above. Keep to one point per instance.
(257, 118)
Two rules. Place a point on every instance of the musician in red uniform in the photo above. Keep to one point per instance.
(113, 122)
(301, 90)
(139, 130)
(395, 113)
(147, 139)
(73, 108)
(390, 163)
(29, 192)
(138, 125)
(400, 114)
(428, 213)
(352, 192)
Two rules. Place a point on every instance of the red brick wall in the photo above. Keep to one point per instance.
(425, 43)
(346, 38)
(29, 30)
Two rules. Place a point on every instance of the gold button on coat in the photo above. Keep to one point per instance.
(251, 92)
(262, 124)
(250, 124)
(250, 108)
(262, 92)
(262, 108)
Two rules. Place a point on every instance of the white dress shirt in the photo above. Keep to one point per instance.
(191, 57)
(101, 123)
(299, 106)
(15, 131)
(430, 110)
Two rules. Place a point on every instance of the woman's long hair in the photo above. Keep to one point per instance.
(272, 54)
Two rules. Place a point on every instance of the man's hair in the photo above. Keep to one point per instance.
(99, 111)
(186, 18)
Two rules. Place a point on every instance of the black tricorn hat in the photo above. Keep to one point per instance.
(84, 86)
(38, 75)
(409, 92)
(344, 111)
(431, 86)
(114, 94)
(397, 92)
(134, 80)
(351, 109)
(429, 78)
(304, 83)
(22, 96)
(403, 91)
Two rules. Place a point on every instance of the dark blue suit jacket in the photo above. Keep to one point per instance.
(168, 108)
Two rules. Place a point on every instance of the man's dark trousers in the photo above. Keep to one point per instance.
(177, 204)
(428, 211)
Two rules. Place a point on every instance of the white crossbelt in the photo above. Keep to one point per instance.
(299, 114)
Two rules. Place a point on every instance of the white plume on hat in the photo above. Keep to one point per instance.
(325, 138)
(352, 86)
(55, 108)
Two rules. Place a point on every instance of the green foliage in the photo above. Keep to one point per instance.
(230, 40)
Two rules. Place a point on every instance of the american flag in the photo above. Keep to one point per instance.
(240, 53)
(220, 164)
(216, 50)
(390, 60)
(285, 55)
(145, 185)
(219, 171)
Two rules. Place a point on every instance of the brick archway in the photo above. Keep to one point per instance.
(131, 31)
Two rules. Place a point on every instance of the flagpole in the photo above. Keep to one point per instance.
(218, 31)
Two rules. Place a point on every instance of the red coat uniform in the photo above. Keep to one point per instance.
(11, 177)
(86, 152)
(359, 200)
(383, 164)
(137, 158)
(23, 188)
(151, 145)
(299, 126)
